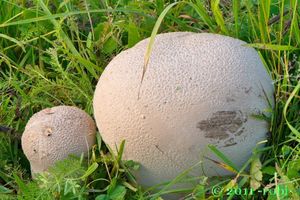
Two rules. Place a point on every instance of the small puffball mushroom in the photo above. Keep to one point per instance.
(198, 89)
(55, 133)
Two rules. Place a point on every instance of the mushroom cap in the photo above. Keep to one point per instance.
(55, 133)
(198, 89)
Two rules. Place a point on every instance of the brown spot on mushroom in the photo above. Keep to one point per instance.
(247, 90)
(48, 131)
(221, 124)
(217, 134)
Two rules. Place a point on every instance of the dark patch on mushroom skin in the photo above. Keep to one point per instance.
(238, 133)
(217, 134)
(222, 124)
(247, 90)
(48, 131)
(230, 144)
(228, 99)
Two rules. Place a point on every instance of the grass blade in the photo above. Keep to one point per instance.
(88, 64)
(199, 8)
(152, 37)
(294, 92)
(13, 40)
(274, 47)
(223, 157)
(67, 14)
(90, 170)
(235, 8)
(62, 34)
(295, 23)
(263, 14)
(218, 15)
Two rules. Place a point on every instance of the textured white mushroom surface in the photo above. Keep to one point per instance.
(55, 133)
(198, 89)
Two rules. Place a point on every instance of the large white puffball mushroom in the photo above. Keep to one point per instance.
(55, 133)
(198, 89)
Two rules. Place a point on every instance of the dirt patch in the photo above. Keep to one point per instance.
(223, 124)
(229, 99)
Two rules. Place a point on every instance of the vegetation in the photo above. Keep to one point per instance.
(53, 52)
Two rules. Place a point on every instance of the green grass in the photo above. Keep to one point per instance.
(53, 52)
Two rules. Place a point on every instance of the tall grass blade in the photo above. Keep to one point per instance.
(223, 157)
(68, 14)
(263, 16)
(90, 170)
(235, 9)
(218, 15)
(295, 22)
(252, 21)
(86, 63)
(293, 192)
(199, 8)
(13, 40)
(60, 32)
(294, 92)
(274, 47)
(152, 37)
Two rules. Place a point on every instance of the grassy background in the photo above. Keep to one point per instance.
(53, 52)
